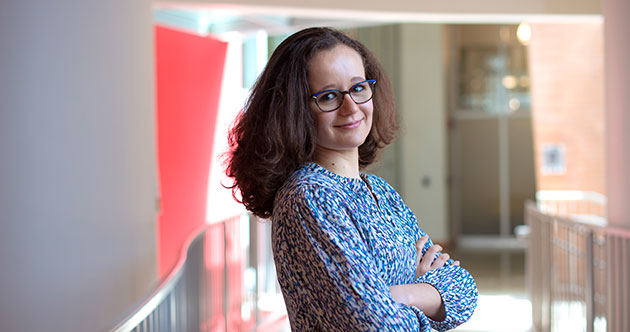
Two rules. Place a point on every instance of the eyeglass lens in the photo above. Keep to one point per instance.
(332, 99)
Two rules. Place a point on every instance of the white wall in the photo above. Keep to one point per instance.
(422, 109)
(77, 163)
(617, 71)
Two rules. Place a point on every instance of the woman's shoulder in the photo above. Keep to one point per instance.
(308, 189)
(308, 176)
(308, 180)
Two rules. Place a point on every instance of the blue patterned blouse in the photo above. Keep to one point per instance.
(339, 243)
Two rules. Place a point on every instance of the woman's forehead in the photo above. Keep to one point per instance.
(335, 66)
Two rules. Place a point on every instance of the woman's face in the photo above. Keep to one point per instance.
(346, 128)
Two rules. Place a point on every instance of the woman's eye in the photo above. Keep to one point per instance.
(358, 88)
(328, 96)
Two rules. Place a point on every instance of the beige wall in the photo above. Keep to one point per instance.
(422, 109)
(413, 55)
(77, 172)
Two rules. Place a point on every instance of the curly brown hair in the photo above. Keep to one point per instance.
(275, 133)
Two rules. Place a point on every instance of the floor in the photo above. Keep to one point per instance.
(503, 304)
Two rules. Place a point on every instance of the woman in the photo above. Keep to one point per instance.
(349, 253)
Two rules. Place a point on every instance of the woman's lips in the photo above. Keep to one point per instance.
(350, 125)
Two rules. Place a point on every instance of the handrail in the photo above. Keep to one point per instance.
(570, 195)
(165, 287)
(577, 274)
(588, 206)
(211, 286)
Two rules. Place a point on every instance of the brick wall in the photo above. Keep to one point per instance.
(567, 88)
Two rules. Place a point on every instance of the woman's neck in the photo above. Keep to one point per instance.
(344, 163)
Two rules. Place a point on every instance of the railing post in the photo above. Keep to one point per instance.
(172, 316)
(547, 272)
(625, 257)
(590, 289)
(253, 256)
(610, 302)
(226, 287)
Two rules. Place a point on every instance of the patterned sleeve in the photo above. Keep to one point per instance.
(454, 283)
(324, 259)
(457, 288)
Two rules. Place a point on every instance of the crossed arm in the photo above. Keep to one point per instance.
(326, 270)
(424, 296)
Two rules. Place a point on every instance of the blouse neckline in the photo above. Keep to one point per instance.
(353, 182)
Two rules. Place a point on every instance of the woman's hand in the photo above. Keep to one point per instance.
(428, 262)
(422, 296)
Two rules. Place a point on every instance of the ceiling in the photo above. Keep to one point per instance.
(221, 21)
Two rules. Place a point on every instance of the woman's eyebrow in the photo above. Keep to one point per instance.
(332, 86)
(327, 87)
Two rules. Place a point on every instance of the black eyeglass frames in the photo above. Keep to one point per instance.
(332, 99)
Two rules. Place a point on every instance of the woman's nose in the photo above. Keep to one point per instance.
(348, 106)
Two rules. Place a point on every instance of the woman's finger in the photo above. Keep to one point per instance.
(440, 261)
(419, 245)
(429, 256)
(421, 242)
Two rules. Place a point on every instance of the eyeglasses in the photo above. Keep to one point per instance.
(330, 100)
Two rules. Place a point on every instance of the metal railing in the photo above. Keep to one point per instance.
(578, 274)
(218, 284)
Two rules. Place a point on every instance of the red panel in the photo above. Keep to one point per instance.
(189, 71)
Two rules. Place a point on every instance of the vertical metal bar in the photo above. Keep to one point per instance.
(226, 292)
(542, 269)
(532, 274)
(253, 252)
(504, 175)
(618, 285)
(193, 267)
(176, 309)
(555, 274)
(549, 273)
(155, 319)
(572, 271)
(564, 256)
(590, 289)
(610, 314)
(625, 280)
(203, 284)
(183, 304)
(158, 317)
(600, 279)
(163, 315)
(172, 320)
